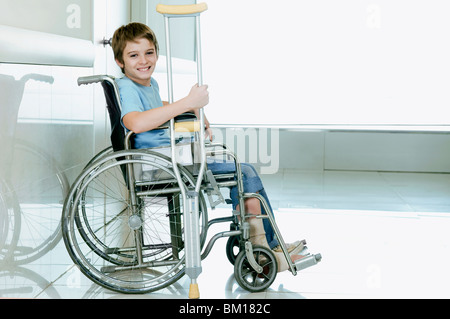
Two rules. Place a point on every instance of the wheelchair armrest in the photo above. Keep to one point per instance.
(186, 117)
(185, 122)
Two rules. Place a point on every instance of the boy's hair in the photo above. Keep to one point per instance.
(131, 32)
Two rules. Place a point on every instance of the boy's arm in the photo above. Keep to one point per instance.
(196, 112)
(208, 130)
(139, 122)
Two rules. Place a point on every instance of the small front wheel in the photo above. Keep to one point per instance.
(248, 278)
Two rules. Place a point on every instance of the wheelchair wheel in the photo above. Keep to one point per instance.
(248, 278)
(9, 223)
(233, 248)
(124, 248)
(34, 189)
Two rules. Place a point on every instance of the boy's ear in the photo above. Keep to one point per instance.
(119, 64)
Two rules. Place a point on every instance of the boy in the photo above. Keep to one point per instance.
(136, 52)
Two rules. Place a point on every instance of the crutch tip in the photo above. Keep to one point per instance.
(194, 292)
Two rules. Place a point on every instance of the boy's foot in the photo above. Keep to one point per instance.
(294, 258)
(297, 246)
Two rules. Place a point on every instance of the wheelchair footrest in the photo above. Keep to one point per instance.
(307, 261)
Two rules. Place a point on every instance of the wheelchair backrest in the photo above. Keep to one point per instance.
(114, 110)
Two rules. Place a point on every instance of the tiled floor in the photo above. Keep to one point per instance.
(381, 235)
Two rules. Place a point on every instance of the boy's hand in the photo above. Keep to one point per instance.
(198, 96)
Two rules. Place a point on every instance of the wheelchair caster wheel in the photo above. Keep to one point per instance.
(233, 249)
(248, 278)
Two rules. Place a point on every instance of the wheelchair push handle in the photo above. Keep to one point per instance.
(91, 79)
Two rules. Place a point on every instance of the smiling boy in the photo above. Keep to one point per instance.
(136, 52)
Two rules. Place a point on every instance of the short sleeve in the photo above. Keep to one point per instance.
(130, 100)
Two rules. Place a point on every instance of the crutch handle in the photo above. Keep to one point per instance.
(181, 9)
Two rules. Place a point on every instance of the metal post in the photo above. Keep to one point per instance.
(168, 60)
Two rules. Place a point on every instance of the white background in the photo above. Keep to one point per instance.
(327, 62)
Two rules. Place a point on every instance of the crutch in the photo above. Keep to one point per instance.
(191, 197)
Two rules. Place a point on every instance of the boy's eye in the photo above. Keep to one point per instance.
(150, 52)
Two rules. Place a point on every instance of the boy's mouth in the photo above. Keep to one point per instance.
(144, 69)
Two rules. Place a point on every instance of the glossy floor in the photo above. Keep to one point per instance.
(381, 235)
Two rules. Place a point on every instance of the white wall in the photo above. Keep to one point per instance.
(109, 15)
(49, 127)
(42, 106)
(328, 62)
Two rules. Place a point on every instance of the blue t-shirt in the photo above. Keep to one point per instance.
(136, 97)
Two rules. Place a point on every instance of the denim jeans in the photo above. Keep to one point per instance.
(252, 184)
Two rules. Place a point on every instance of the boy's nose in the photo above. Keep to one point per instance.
(142, 60)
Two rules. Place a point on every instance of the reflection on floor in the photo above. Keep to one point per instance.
(381, 235)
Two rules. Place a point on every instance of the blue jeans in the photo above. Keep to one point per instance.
(252, 184)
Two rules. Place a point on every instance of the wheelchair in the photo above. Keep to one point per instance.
(126, 222)
(123, 217)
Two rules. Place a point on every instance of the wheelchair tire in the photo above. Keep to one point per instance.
(233, 248)
(248, 278)
(101, 237)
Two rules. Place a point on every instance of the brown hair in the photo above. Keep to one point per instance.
(131, 32)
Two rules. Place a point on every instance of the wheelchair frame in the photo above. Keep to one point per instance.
(147, 254)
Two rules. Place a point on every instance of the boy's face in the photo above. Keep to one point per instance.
(139, 59)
